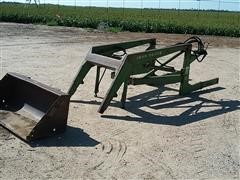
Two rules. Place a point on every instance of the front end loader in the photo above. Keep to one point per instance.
(32, 110)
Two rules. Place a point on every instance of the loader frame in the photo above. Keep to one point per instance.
(125, 66)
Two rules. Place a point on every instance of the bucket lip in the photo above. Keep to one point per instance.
(36, 83)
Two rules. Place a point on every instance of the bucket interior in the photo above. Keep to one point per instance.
(23, 103)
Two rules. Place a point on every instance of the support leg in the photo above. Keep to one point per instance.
(124, 94)
(198, 86)
(203, 84)
(97, 81)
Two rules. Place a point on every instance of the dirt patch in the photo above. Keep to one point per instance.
(159, 135)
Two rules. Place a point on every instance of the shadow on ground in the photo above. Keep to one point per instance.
(72, 137)
(195, 108)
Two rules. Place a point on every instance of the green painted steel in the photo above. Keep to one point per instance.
(145, 64)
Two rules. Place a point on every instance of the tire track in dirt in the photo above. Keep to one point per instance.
(198, 149)
(230, 123)
(157, 166)
(110, 153)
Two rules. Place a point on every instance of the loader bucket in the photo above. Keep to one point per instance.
(31, 110)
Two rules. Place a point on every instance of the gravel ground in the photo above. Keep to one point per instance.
(159, 135)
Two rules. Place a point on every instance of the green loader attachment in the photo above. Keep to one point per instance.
(126, 66)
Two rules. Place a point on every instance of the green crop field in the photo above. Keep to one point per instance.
(135, 20)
